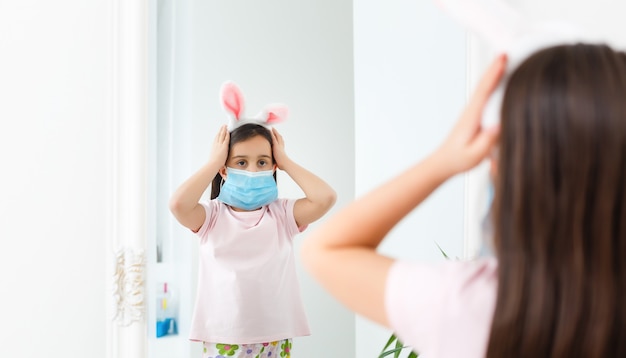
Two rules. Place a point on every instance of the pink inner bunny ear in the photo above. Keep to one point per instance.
(232, 99)
(276, 114)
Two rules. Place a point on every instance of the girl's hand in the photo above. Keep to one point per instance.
(219, 151)
(469, 143)
(278, 149)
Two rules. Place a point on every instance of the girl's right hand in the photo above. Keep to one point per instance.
(219, 151)
(469, 143)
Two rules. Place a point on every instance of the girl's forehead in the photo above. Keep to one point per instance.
(252, 147)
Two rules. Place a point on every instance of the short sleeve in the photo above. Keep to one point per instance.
(429, 306)
(212, 209)
(282, 209)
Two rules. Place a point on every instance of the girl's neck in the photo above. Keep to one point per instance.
(243, 210)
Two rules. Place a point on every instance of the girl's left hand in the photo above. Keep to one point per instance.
(278, 149)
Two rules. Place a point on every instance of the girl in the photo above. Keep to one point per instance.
(556, 287)
(248, 301)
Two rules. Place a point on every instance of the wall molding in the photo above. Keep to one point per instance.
(128, 287)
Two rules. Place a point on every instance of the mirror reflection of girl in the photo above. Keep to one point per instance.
(557, 284)
(248, 302)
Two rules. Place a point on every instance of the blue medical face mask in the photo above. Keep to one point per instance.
(248, 190)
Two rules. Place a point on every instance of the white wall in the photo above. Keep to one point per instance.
(54, 77)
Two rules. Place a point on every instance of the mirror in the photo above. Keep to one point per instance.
(354, 89)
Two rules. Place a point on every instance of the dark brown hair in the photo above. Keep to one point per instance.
(241, 134)
(560, 207)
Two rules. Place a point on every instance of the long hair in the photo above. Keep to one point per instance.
(241, 134)
(560, 207)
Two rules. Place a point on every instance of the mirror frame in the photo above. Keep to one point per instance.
(127, 189)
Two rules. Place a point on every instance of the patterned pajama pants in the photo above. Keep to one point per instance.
(278, 349)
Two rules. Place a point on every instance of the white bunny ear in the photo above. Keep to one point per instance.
(232, 101)
(505, 30)
(493, 21)
(273, 113)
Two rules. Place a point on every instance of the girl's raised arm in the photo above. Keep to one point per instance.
(184, 202)
(319, 196)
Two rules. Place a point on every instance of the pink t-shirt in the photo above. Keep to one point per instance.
(442, 310)
(248, 291)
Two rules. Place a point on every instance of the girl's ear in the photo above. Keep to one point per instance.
(222, 172)
(232, 100)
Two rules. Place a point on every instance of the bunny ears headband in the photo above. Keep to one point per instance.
(506, 31)
(233, 103)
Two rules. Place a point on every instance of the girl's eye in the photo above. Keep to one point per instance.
(241, 163)
(262, 163)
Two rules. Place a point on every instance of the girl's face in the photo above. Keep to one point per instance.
(253, 154)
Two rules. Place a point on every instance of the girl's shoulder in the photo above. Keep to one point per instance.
(282, 210)
(282, 203)
(282, 207)
(214, 209)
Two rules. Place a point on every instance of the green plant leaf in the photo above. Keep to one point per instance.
(442, 252)
(399, 346)
(390, 352)
(389, 342)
